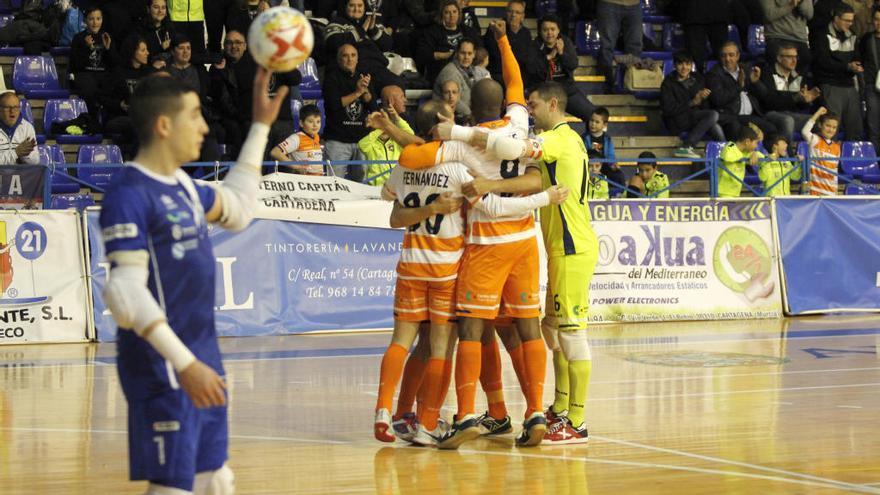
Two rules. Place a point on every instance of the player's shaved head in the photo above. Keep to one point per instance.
(153, 97)
(486, 99)
(426, 117)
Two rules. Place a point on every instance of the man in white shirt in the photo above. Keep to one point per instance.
(18, 142)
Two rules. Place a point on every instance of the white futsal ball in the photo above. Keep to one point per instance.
(280, 39)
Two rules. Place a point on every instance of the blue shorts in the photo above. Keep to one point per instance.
(170, 440)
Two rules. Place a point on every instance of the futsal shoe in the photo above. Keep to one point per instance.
(533, 430)
(491, 426)
(425, 437)
(382, 425)
(405, 426)
(563, 433)
(461, 431)
(553, 417)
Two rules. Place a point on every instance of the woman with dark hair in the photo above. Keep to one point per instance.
(439, 42)
(156, 30)
(134, 67)
(92, 56)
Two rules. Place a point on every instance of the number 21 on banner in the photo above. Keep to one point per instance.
(30, 240)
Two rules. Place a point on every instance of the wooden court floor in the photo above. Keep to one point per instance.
(761, 407)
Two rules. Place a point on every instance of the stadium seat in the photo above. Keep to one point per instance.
(310, 88)
(733, 35)
(5, 19)
(859, 190)
(650, 13)
(865, 169)
(28, 114)
(586, 38)
(37, 77)
(58, 110)
(98, 153)
(66, 201)
(673, 37)
(295, 106)
(51, 154)
(59, 51)
(755, 44)
(544, 7)
(9, 51)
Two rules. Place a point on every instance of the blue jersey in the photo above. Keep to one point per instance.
(164, 216)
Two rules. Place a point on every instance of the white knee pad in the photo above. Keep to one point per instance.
(575, 345)
(219, 482)
(550, 334)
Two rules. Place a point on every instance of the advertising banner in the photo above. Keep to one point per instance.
(287, 277)
(684, 260)
(327, 200)
(21, 186)
(830, 254)
(42, 278)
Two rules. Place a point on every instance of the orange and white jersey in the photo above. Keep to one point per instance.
(432, 249)
(822, 181)
(300, 147)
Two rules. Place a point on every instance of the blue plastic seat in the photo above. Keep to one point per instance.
(296, 105)
(9, 51)
(544, 7)
(95, 154)
(51, 154)
(755, 43)
(58, 110)
(650, 13)
(310, 88)
(587, 38)
(859, 190)
(865, 169)
(673, 37)
(66, 201)
(37, 77)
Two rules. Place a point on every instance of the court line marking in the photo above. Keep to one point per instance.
(820, 482)
(124, 432)
(850, 407)
(704, 376)
(731, 462)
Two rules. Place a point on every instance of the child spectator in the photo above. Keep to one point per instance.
(772, 171)
(598, 184)
(597, 139)
(378, 146)
(823, 173)
(732, 156)
(649, 181)
(92, 55)
(303, 146)
(481, 58)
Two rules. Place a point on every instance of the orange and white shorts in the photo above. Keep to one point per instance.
(421, 300)
(492, 274)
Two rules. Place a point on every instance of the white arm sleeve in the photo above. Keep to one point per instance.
(807, 132)
(238, 192)
(509, 148)
(134, 307)
(496, 206)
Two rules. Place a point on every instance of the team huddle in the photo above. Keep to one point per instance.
(470, 267)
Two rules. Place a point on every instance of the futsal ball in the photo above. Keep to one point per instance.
(280, 39)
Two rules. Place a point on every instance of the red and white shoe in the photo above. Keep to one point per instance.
(382, 426)
(554, 417)
(563, 433)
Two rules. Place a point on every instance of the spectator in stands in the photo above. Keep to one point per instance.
(362, 31)
(649, 181)
(156, 30)
(115, 99)
(598, 140)
(188, 17)
(196, 77)
(733, 156)
(520, 39)
(786, 24)
(732, 95)
(823, 173)
(869, 49)
(784, 94)
(558, 60)
(611, 16)
(303, 146)
(412, 17)
(92, 56)
(120, 19)
(227, 92)
(702, 20)
(378, 146)
(215, 19)
(439, 42)
(348, 102)
(598, 184)
(684, 106)
(241, 13)
(835, 62)
(450, 93)
(465, 74)
(18, 140)
(773, 171)
(395, 97)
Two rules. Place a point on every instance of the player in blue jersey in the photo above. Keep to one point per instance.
(161, 286)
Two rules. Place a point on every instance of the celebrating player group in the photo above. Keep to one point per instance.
(470, 267)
